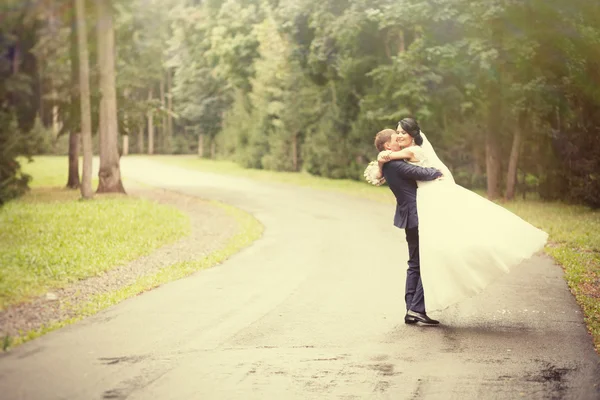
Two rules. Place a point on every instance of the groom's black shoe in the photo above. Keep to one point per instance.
(420, 317)
(409, 320)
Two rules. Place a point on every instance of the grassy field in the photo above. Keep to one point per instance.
(48, 238)
(250, 230)
(574, 230)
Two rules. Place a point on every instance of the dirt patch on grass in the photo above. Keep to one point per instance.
(211, 226)
(591, 288)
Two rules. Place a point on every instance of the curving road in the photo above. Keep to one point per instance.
(312, 310)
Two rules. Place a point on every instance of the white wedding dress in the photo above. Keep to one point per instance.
(466, 241)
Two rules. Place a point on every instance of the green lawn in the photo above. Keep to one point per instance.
(250, 230)
(51, 171)
(574, 230)
(48, 171)
(49, 238)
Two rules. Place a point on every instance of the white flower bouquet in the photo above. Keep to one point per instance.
(372, 172)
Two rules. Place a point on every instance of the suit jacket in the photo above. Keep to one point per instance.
(401, 178)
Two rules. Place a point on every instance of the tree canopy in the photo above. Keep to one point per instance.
(507, 91)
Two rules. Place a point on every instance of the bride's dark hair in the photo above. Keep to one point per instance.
(410, 126)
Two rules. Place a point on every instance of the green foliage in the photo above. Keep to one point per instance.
(15, 89)
(13, 182)
(40, 139)
(306, 85)
(262, 131)
(183, 144)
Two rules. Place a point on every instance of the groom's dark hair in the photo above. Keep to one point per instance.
(382, 138)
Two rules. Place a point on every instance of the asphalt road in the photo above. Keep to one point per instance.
(312, 310)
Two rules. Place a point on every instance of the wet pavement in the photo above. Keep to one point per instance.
(312, 310)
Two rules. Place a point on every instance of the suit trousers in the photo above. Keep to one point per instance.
(414, 296)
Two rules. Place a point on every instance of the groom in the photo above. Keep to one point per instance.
(401, 178)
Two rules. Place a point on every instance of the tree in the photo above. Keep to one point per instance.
(73, 181)
(270, 84)
(150, 125)
(19, 102)
(109, 174)
(84, 97)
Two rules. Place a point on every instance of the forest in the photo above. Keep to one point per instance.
(507, 91)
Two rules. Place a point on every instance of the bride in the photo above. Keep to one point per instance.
(466, 241)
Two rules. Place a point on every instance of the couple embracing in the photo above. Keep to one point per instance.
(458, 241)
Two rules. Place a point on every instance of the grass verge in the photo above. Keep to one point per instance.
(250, 230)
(574, 230)
(51, 171)
(574, 244)
(48, 238)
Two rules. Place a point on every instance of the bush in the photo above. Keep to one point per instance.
(13, 182)
(42, 140)
(572, 174)
(183, 144)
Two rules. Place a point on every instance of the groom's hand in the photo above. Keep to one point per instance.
(384, 156)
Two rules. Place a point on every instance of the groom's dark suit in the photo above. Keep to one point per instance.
(401, 178)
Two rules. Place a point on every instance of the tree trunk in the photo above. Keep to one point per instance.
(163, 129)
(73, 181)
(110, 172)
(476, 170)
(401, 42)
(56, 125)
(16, 61)
(494, 130)
(140, 141)
(511, 175)
(40, 70)
(333, 94)
(444, 120)
(169, 111)
(125, 130)
(213, 148)
(150, 115)
(524, 191)
(295, 152)
(200, 145)
(125, 145)
(493, 168)
(84, 95)
(55, 121)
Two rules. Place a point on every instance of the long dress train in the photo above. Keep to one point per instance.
(466, 241)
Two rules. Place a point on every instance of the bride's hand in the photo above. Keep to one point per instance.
(384, 156)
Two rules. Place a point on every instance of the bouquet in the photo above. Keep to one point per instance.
(372, 172)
